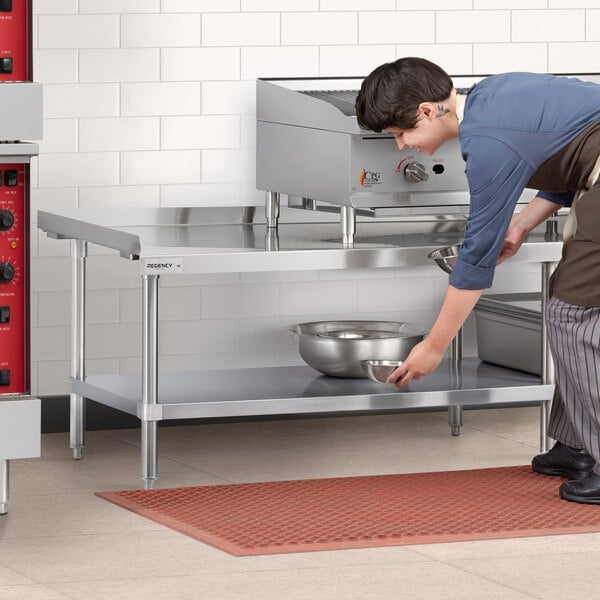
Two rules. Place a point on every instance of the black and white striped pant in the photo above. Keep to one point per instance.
(574, 334)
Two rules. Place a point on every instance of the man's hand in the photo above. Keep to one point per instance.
(515, 236)
(421, 361)
(427, 355)
(536, 212)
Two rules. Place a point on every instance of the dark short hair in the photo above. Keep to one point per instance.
(391, 94)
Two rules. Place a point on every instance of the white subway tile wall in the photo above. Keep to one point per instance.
(548, 26)
(592, 24)
(152, 103)
(200, 64)
(122, 64)
(60, 135)
(405, 27)
(160, 30)
(78, 31)
(468, 26)
(57, 66)
(119, 196)
(79, 100)
(493, 58)
(119, 133)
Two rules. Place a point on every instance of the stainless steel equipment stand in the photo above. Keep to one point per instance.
(78, 281)
(254, 392)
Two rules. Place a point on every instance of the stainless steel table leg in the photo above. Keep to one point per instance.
(548, 375)
(3, 486)
(78, 276)
(348, 216)
(149, 440)
(455, 413)
(272, 209)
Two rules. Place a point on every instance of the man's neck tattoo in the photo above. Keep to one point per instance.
(442, 110)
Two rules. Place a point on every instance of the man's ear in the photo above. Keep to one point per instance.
(428, 110)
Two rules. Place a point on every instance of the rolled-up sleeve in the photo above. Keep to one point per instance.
(562, 198)
(497, 176)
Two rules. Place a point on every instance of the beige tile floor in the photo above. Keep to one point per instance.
(60, 542)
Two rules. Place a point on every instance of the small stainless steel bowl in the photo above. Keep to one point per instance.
(445, 257)
(336, 348)
(379, 370)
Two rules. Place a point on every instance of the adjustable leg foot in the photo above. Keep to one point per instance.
(455, 419)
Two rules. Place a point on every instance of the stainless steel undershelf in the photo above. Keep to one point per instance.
(302, 390)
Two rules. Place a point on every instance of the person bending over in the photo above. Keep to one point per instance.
(516, 130)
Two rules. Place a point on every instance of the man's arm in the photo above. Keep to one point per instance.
(459, 303)
(427, 355)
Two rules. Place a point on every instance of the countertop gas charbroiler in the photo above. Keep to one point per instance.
(20, 119)
(311, 148)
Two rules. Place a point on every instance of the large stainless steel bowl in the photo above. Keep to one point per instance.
(336, 348)
(445, 257)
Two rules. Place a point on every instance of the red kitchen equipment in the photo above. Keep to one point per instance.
(14, 279)
(15, 40)
(20, 119)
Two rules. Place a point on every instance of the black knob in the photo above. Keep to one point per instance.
(7, 272)
(7, 219)
(415, 172)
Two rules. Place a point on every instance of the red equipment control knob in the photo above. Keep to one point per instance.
(7, 272)
(7, 219)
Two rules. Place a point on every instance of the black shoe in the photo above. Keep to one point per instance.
(584, 491)
(564, 461)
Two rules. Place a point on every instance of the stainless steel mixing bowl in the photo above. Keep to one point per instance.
(336, 348)
(379, 370)
(445, 257)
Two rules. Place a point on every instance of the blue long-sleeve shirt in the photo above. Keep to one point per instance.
(512, 124)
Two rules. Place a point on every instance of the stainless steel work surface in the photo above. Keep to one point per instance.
(302, 390)
(187, 241)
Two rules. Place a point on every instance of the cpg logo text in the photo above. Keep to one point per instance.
(369, 178)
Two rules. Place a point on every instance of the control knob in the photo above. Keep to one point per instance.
(7, 219)
(7, 272)
(415, 172)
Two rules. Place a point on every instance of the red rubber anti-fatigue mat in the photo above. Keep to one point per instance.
(364, 512)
